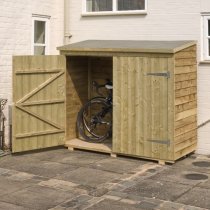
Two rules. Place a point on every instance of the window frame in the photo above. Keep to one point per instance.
(45, 19)
(114, 11)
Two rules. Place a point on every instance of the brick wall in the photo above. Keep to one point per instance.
(15, 35)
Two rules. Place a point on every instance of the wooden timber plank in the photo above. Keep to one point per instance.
(185, 114)
(185, 151)
(185, 91)
(164, 86)
(185, 77)
(124, 105)
(189, 49)
(25, 135)
(140, 104)
(185, 69)
(185, 144)
(42, 102)
(131, 106)
(80, 144)
(38, 71)
(116, 136)
(171, 107)
(186, 135)
(185, 107)
(185, 62)
(185, 99)
(185, 121)
(185, 84)
(185, 128)
(185, 55)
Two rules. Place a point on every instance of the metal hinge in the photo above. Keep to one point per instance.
(167, 142)
(160, 74)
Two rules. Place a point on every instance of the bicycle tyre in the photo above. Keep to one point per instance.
(84, 128)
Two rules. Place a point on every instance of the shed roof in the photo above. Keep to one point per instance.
(127, 46)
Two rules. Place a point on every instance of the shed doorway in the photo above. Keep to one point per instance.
(81, 72)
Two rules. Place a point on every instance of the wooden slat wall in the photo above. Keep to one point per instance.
(100, 69)
(141, 107)
(76, 91)
(38, 96)
(185, 140)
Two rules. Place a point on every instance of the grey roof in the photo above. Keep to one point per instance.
(127, 46)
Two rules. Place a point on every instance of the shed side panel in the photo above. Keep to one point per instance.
(76, 92)
(185, 102)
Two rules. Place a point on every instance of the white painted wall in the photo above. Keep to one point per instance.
(165, 20)
(15, 35)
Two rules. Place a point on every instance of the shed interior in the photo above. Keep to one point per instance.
(81, 72)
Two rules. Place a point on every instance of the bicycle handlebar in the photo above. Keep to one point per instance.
(95, 84)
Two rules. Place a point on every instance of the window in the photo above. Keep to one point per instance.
(206, 38)
(40, 36)
(114, 6)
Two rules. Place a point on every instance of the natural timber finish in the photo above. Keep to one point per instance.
(154, 98)
(76, 91)
(141, 124)
(185, 139)
(80, 144)
(39, 98)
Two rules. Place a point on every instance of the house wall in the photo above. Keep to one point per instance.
(16, 33)
(165, 20)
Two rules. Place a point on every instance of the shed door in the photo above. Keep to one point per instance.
(141, 106)
(38, 96)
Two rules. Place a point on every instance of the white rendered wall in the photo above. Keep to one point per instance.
(165, 20)
(16, 33)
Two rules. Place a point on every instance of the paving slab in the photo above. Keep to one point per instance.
(8, 186)
(198, 163)
(37, 167)
(9, 206)
(88, 176)
(158, 189)
(60, 179)
(205, 184)
(81, 158)
(115, 205)
(118, 165)
(198, 197)
(178, 176)
(37, 197)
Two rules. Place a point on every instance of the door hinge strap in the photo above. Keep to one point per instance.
(159, 74)
(167, 142)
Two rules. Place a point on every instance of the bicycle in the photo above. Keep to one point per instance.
(94, 120)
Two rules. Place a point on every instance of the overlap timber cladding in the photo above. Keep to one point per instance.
(38, 111)
(185, 101)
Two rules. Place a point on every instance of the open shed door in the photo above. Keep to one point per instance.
(39, 105)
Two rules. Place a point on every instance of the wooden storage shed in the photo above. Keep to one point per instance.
(154, 97)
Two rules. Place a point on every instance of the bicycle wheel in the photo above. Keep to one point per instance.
(94, 121)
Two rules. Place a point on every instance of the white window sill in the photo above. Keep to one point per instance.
(205, 62)
(134, 12)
